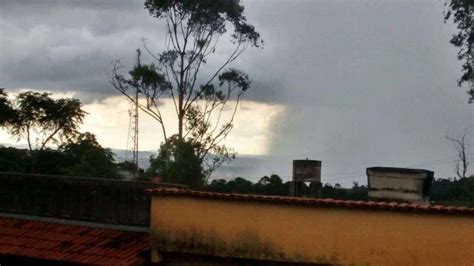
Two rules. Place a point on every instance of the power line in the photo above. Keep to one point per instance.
(346, 173)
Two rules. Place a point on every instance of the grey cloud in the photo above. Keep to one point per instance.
(368, 83)
(69, 45)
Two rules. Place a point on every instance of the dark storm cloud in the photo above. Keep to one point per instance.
(69, 45)
(365, 82)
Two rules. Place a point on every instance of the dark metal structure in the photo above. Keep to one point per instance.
(306, 178)
(133, 129)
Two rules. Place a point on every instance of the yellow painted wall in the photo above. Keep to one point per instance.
(309, 234)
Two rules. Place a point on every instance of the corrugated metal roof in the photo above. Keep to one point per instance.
(372, 205)
(70, 243)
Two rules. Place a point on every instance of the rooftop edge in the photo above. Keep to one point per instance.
(351, 204)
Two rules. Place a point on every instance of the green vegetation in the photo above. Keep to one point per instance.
(85, 157)
(447, 191)
(199, 94)
(50, 120)
(462, 14)
(43, 121)
(6, 109)
(81, 158)
(454, 192)
(177, 162)
(274, 185)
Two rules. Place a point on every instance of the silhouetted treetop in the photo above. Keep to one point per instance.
(6, 109)
(54, 120)
(208, 15)
(462, 14)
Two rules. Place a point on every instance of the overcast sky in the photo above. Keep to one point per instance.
(352, 83)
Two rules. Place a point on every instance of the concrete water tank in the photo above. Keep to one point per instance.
(399, 184)
(307, 170)
(306, 178)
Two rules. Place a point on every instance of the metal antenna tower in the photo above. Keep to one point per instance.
(133, 127)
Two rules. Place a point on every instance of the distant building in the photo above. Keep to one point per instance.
(399, 184)
(306, 180)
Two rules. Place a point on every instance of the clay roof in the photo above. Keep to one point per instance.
(371, 205)
(70, 243)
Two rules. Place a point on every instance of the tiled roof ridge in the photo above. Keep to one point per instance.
(70, 222)
(70, 243)
(323, 202)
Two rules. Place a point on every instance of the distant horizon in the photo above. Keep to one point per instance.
(253, 167)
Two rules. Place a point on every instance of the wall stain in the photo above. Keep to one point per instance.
(246, 244)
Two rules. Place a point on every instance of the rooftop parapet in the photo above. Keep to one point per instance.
(77, 198)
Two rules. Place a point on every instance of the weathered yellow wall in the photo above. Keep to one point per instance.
(310, 234)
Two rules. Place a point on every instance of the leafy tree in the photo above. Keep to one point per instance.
(272, 185)
(6, 109)
(193, 31)
(86, 157)
(178, 162)
(462, 14)
(47, 162)
(53, 121)
(240, 185)
(82, 156)
(357, 192)
(335, 192)
(218, 185)
(454, 192)
(14, 160)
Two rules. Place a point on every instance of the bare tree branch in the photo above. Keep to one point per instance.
(460, 146)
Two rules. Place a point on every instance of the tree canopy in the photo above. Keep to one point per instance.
(193, 31)
(50, 120)
(84, 156)
(6, 109)
(206, 15)
(81, 156)
(177, 162)
(37, 115)
(462, 14)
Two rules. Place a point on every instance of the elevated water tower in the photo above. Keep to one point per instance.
(306, 178)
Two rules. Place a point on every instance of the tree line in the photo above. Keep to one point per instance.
(274, 185)
(44, 122)
(445, 191)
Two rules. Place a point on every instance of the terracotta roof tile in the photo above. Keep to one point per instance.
(70, 243)
(374, 205)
